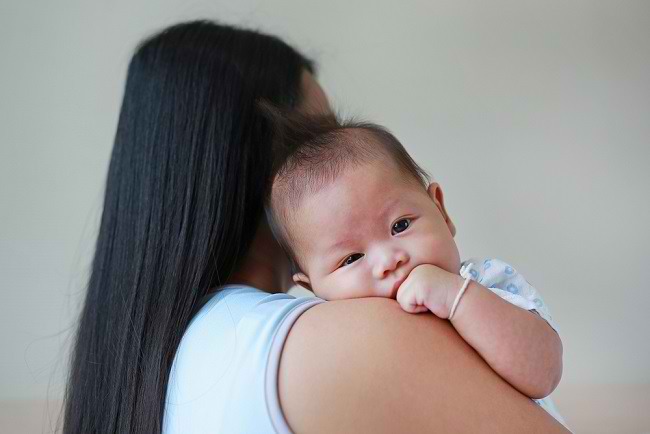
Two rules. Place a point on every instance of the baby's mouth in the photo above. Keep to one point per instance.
(398, 282)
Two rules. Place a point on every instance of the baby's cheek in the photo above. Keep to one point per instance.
(348, 285)
(334, 287)
(439, 251)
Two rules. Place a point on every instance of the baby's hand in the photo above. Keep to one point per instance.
(429, 288)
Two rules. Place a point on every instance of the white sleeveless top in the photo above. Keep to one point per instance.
(224, 378)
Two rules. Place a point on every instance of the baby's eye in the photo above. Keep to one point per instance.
(401, 226)
(352, 258)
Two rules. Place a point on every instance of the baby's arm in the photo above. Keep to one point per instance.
(518, 344)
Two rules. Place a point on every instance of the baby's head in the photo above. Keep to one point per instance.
(355, 213)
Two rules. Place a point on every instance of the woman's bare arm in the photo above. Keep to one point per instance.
(365, 366)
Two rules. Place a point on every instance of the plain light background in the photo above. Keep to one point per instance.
(533, 116)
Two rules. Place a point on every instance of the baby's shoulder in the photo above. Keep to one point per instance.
(490, 271)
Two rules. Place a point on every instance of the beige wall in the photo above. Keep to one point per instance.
(534, 117)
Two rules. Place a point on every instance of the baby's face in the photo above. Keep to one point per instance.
(361, 235)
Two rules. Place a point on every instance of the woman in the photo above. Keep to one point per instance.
(184, 327)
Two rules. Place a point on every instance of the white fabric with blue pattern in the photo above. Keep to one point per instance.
(507, 283)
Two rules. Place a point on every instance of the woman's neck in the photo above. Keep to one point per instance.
(266, 266)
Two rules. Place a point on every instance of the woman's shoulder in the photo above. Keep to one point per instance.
(237, 302)
(223, 373)
(236, 319)
(364, 365)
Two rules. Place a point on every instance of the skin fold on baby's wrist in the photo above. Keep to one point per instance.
(456, 283)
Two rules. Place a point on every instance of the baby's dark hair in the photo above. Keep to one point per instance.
(311, 151)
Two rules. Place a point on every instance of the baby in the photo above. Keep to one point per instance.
(359, 218)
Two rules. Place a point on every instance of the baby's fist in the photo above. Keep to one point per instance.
(428, 287)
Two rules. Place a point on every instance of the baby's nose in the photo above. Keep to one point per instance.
(389, 262)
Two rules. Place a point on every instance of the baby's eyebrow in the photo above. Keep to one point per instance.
(387, 207)
(340, 244)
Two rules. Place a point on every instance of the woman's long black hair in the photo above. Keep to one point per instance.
(184, 196)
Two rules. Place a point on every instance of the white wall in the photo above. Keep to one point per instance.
(534, 117)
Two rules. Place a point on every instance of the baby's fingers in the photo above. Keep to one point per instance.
(414, 308)
(407, 300)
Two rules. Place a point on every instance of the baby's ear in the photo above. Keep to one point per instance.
(435, 193)
(302, 280)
